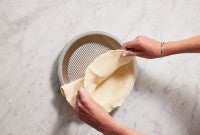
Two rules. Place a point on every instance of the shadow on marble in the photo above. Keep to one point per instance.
(161, 91)
(65, 115)
(113, 112)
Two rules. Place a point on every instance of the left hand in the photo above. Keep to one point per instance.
(92, 113)
(142, 46)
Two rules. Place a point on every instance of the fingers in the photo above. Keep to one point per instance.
(129, 53)
(131, 48)
(83, 95)
(79, 107)
(82, 100)
(130, 44)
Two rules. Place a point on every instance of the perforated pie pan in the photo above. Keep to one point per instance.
(81, 51)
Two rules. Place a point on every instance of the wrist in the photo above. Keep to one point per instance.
(108, 126)
(169, 48)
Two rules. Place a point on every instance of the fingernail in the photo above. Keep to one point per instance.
(124, 54)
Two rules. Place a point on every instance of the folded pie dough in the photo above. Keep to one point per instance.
(109, 80)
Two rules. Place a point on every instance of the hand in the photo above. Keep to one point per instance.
(92, 113)
(143, 47)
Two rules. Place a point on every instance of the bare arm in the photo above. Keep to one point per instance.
(120, 129)
(94, 115)
(149, 48)
(190, 45)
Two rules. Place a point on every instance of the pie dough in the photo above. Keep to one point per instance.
(109, 79)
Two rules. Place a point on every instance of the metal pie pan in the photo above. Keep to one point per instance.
(81, 51)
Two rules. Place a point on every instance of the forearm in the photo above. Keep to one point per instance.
(191, 45)
(120, 129)
(114, 128)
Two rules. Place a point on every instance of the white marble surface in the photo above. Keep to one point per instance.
(166, 96)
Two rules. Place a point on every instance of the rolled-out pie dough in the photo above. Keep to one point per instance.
(109, 80)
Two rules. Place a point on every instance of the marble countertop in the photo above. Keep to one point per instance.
(166, 96)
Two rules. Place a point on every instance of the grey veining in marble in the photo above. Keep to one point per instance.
(166, 96)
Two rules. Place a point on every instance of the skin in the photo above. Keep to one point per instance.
(94, 115)
(97, 117)
(145, 47)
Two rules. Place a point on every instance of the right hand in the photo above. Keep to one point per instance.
(143, 47)
(92, 113)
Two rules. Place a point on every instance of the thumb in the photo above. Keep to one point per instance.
(82, 93)
(129, 53)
